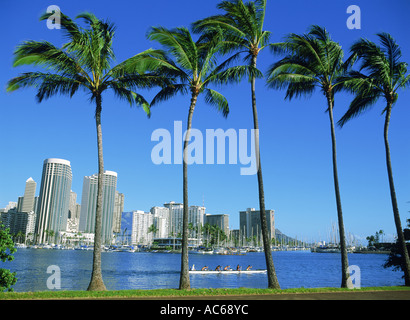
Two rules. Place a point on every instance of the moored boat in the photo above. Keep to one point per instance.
(227, 271)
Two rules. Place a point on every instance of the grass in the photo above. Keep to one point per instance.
(174, 293)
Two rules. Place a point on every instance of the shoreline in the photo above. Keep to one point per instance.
(365, 293)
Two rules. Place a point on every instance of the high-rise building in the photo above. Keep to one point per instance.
(141, 223)
(250, 223)
(30, 226)
(118, 208)
(161, 221)
(20, 204)
(72, 206)
(220, 220)
(54, 199)
(29, 196)
(176, 211)
(73, 213)
(195, 217)
(89, 205)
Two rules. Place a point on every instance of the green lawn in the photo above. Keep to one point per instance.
(162, 293)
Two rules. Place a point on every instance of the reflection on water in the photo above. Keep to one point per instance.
(122, 270)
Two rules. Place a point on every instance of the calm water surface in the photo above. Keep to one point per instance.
(123, 270)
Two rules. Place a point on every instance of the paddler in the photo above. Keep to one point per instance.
(249, 268)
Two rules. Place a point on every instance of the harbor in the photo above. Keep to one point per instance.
(146, 270)
(320, 247)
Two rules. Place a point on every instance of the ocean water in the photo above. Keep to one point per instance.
(139, 270)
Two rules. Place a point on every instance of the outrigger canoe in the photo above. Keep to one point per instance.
(226, 271)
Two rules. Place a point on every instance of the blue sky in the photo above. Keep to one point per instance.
(295, 136)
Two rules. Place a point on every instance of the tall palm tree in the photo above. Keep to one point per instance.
(242, 29)
(84, 62)
(384, 76)
(194, 67)
(312, 61)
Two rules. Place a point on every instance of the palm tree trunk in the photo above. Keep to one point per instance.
(343, 249)
(273, 282)
(400, 235)
(96, 283)
(184, 282)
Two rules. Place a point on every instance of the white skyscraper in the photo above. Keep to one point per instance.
(141, 222)
(195, 216)
(29, 195)
(161, 221)
(176, 211)
(54, 199)
(31, 226)
(89, 204)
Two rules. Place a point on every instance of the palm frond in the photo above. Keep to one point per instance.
(241, 24)
(89, 18)
(294, 74)
(311, 60)
(178, 43)
(71, 29)
(169, 92)
(382, 65)
(404, 82)
(147, 61)
(85, 62)
(265, 39)
(296, 85)
(372, 59)
(133, 98)
(46, 55)
(360, 104)
(391, 50)
(92, 47)
(46, 84)
(236, 74)
(216, 99)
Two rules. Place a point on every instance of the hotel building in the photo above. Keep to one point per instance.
(250, 223)
(141, 223)
(54, 199)
(89, 205)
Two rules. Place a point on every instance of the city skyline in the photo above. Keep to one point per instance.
(295, 143)
(55, 215)
(73, 217)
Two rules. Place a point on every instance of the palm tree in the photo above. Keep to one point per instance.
(153, 229)
(51, 234)
(85, 62)
(312, 61)
(242, 28)
(385, 75)
(194, 68)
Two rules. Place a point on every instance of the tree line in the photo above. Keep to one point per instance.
(192, 61)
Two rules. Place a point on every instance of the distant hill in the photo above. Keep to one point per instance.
(283, 238)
